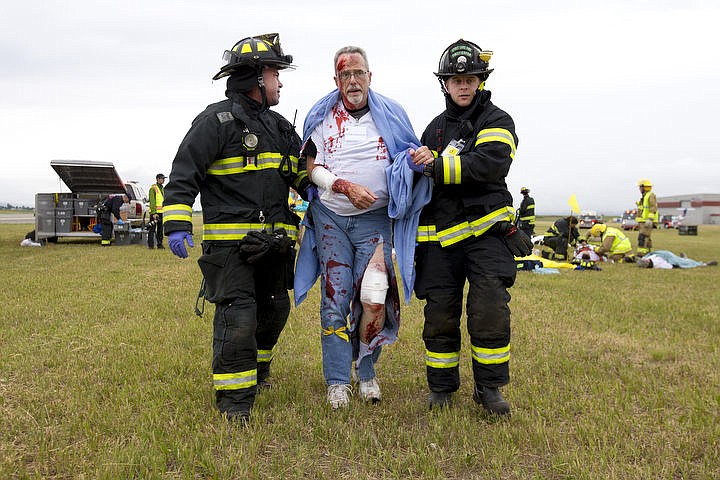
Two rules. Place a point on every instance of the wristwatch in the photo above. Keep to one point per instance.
(429, 169)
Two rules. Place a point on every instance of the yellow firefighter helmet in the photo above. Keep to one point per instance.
(598, 229)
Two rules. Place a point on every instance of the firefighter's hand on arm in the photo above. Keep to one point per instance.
(120, 221)
(516, 240)
(419, 158)
(177, 240)
(308, 190)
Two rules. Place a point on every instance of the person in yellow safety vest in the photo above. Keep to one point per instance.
(647, 216)
(156, 199)
(615, 244)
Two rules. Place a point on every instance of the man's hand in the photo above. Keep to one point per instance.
(419, 158)
(177, 239)
(359, 196)
(516, 240)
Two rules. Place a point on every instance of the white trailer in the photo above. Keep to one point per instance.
(73, 213)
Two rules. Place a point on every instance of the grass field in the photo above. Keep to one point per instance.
(105, 373)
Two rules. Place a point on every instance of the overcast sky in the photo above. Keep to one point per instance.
(602, 93)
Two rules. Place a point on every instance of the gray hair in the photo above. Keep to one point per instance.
(350, 50)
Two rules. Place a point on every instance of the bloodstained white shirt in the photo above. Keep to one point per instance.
(352, 149)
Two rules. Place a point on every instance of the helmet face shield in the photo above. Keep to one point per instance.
(253, 53)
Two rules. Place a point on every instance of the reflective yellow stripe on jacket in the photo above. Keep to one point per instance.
(621, 243)
(263, 161)
(264, 355)
(490, 356)
(529, 218)
(238, 231)
(461, 231)
(496, 135)
(235, 381)
(178, 212)
(442, 360)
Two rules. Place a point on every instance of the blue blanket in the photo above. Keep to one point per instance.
(405, 202)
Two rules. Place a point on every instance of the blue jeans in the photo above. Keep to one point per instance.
(345, 245)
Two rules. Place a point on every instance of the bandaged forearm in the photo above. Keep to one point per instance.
(322, 177)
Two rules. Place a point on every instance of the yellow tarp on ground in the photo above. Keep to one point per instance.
(546, 262)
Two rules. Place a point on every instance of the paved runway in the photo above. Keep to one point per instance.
(17, 218)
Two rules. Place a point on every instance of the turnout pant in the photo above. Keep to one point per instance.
(155, 233)
(559, 245)
(489, 267)
(107, 228)
(251, 308)
(644, 240)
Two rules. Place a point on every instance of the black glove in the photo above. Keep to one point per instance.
(256, 244)
(309, 149)
(302, 188)
(516, 240)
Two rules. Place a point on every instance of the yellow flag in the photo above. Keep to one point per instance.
(574, 204)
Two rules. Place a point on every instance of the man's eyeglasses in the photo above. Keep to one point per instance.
(358, 74)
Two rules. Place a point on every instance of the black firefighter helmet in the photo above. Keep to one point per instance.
(464, 58)
(254, 53)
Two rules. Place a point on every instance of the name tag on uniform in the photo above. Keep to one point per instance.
(355, 133)
(453, 148)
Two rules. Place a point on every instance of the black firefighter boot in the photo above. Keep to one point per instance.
(491, 399)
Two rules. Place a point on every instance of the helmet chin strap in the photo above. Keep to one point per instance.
(261, 85)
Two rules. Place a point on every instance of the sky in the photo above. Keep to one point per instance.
(602, 93)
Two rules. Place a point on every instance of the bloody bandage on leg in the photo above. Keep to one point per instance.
(374, 286)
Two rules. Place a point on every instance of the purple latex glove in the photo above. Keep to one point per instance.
(177, 239)
(312, 193)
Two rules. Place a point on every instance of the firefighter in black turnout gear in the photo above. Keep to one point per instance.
(526, 213)
(106, 209)
(241, 157)
(466, 232)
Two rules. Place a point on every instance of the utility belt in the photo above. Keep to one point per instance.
(230, 268)
(229, 233)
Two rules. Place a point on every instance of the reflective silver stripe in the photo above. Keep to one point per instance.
(235, 381)
(238, 231)
(451, 169)
(491, 355)
(264, 355)
(442, 360)
(232, 165)
(497, 135)
(449, 237)
(481, 225)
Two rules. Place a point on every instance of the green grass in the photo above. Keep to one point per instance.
(105, 373)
